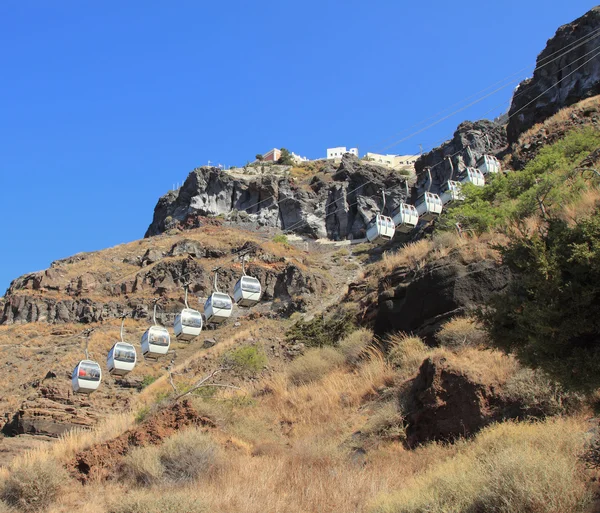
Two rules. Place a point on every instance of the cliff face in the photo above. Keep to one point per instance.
(470, 141)
(564, 60)
(336, 204)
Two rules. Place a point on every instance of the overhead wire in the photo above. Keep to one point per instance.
(541, 64)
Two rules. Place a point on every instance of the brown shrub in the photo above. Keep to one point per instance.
(386, 422)
(353, 346)
(189, 455)
(34, 485)
(163, 502)
(185, 456)
(314, 365)
(509, 468)
(406, 353)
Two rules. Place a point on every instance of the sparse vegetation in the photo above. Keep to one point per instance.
(462, 331)
(314, 365)
(354, 345)
(34, 485)
(248, 359)
(545, 185)
(323, 330)
(170, 501)
(281, 239)
(186, 456)
(512, 468)
(406, 353)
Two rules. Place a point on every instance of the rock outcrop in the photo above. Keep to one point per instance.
(337, 205)
(445, 402)
(52, 410)
(567, 71)
(470, 141)
(421, 303)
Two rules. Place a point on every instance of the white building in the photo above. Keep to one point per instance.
(298, 159)
(336, 153)
(393, 161)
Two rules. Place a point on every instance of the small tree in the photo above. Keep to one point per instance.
(286, 158)
(259, 157)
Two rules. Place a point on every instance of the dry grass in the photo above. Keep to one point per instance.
(34, 486)
(167, 501)
(185, 456)
(509, 468)
(406, 353)
(416, 255)
(314, 365)
(354, 345)
(461, 332)
(553, 123)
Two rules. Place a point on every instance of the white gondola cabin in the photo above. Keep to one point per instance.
(451, 192)
(381, 229)
(406, 219)
(218, 308)
(247, 291)
(429, 206)
(473, 176)
(122, 356)
(121, 359)
(488, 164)
(188, 324)
(155, 342)
(86, 378)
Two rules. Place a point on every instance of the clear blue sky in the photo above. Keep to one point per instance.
(104, 105)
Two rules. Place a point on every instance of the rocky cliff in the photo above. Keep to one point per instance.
(470, 141)
(567, 71)
(335, 203)
(98, 286)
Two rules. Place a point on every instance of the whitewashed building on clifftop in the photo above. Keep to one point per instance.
(336, 153)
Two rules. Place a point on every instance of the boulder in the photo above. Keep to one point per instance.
(445, 402)
(420, 303)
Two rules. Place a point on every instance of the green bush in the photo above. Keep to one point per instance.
(246, 359)
(515, 196)
(323, 330)
(550, 315)
(146, 381)
(34, 485)
(281, 239)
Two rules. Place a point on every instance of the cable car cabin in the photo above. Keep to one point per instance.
(155, 342)
(247, 291)
(474, 177)
(86, 377)
(188, 324)
(451, 192)
(429, 206)
(488, 164)
(381, 229)
(121, 359)
(406, 219)
(218, 307)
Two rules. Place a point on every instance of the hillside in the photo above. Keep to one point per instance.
(452, 369)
